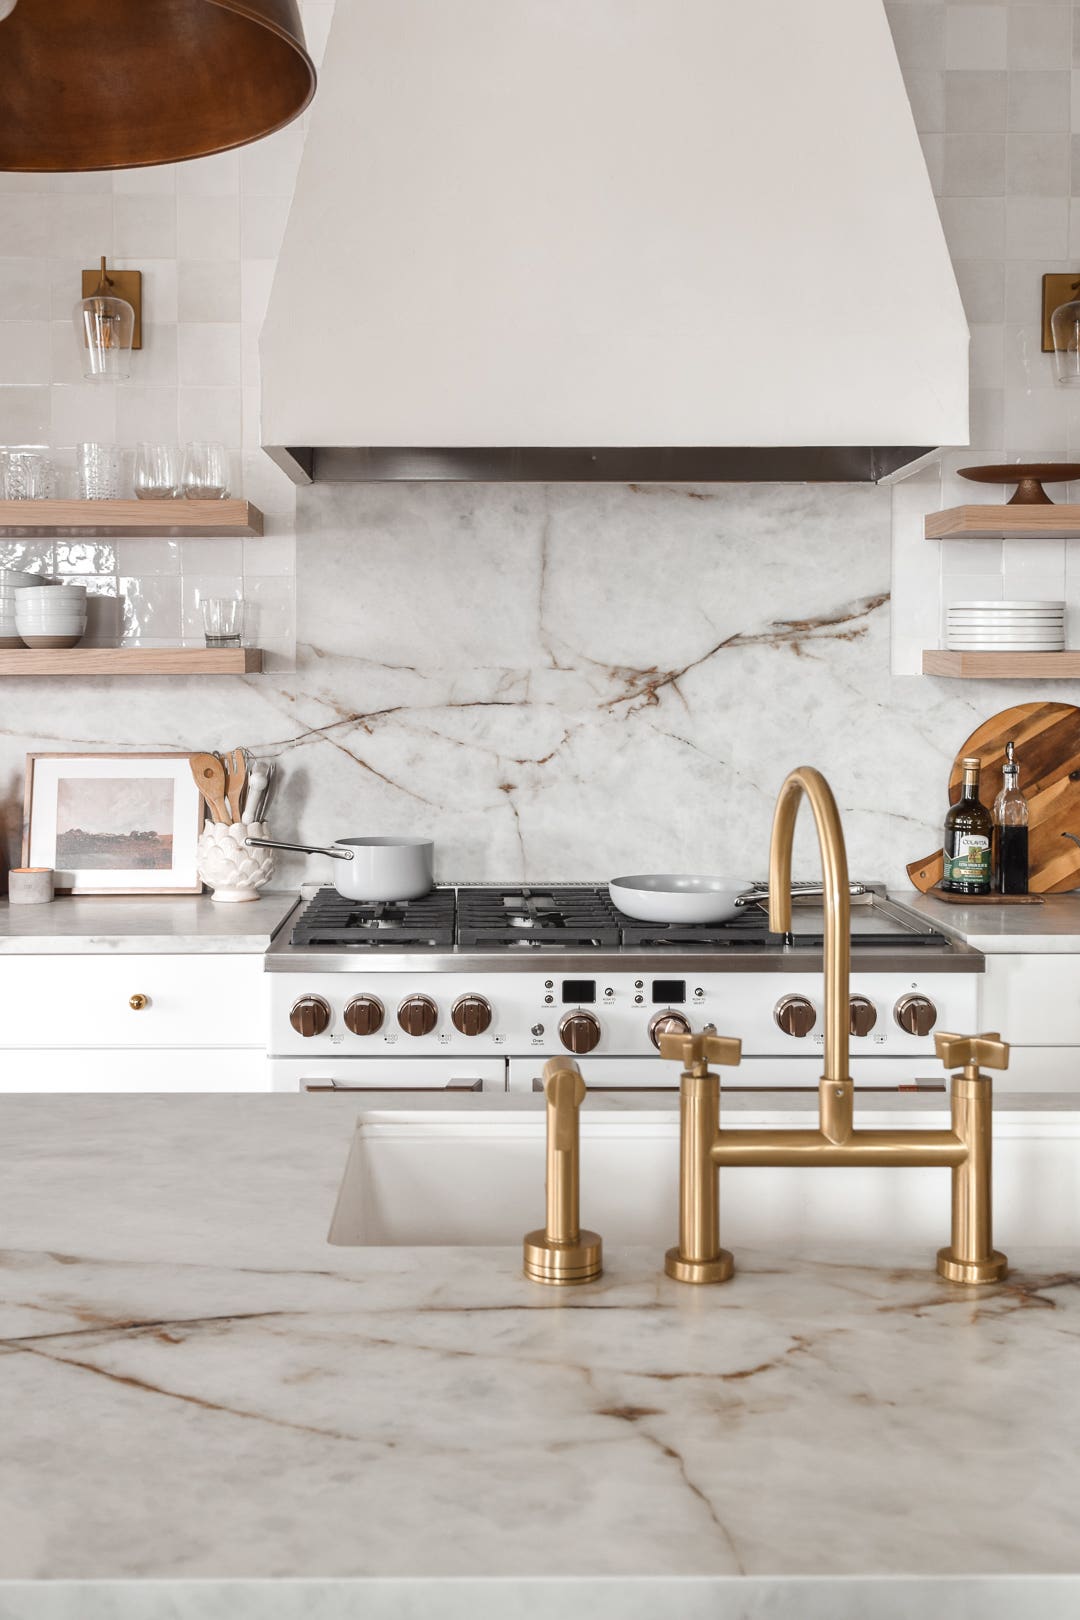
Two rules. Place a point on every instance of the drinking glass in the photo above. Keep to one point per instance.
(27, 475)
(98, 468)
(223, 621)
(157, 472)
(206, 472)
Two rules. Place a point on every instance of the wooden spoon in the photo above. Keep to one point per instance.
(209, 774)
(235, 779)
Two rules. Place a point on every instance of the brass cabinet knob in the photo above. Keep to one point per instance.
(915, 1014)
(418, 1015)
(471, 1015)
(579, 1031)
(667, 1023)
(363, 1015)
(138, 1001)
(795, 1015)
(310, 1015)
(862, 1015)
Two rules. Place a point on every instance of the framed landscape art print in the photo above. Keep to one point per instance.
(113, 823)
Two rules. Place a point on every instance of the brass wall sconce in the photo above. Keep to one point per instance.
(1061, 324)
(108, 322)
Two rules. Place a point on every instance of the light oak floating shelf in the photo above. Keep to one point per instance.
(92, 661)
(148, 518)
(1003, 522)
(998, 666)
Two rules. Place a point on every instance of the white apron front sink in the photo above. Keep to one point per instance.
(477, 1178)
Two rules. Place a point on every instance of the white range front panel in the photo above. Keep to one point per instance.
(528, 1007)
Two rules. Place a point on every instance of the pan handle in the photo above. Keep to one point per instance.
(301, 849)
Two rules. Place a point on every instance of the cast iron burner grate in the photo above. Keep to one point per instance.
(367, 925)
(578, 918)
(746, 930)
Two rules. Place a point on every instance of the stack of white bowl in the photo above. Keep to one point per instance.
(1005, 627)
(12, 580)
(51, 615)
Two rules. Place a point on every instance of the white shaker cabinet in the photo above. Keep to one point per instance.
(133, 1022)
(1034, 1000)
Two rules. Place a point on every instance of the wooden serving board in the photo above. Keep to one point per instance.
(1047, 738)
(986, 899)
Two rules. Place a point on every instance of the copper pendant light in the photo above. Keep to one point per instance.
(119, 84)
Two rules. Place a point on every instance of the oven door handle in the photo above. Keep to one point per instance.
(339, 1085)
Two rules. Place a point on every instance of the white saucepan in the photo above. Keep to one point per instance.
(372, 868)
(672, 897)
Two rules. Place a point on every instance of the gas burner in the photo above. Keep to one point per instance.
(578, 918)
(356, 924)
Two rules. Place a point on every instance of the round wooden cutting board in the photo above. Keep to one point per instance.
(1047, 738)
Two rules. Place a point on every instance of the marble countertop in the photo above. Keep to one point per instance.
(1053, 927)
(202, 1397)
(183, 924)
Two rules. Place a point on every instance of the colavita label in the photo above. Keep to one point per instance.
(970, 861)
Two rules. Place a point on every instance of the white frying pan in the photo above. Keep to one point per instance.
(677, 898)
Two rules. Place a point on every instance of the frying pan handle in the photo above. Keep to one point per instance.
(301, 849)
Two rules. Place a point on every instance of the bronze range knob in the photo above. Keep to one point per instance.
(667, 1023)
(364, 1015)
(795, 1015)
(862, 1015)
(310, 1015)
(418, 1015)
(471, 1015)
(579, 1031)
(915, 1014)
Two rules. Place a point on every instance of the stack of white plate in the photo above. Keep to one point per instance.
(12, 580)
(51, 615)
(1005, 627)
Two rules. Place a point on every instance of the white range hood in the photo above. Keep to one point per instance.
(631, 239)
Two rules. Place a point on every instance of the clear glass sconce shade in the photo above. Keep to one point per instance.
(104, 329)
(1065, 329)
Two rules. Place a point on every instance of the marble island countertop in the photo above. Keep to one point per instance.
(202, 1397)
(161, 924)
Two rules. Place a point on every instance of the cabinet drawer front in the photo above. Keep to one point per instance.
(79, 1001)
(1032, 1000)
(102, 1069)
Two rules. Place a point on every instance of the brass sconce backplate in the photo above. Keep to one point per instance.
(126, 284)
(1059, 288)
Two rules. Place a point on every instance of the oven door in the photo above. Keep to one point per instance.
(406, 1075)
(643, 1075)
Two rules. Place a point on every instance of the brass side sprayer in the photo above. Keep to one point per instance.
(561, 1252)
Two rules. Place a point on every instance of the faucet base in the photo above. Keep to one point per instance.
(971, 1271)
(547, 1261)
(717, 1270)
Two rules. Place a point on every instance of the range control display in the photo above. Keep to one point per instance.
(578, 992)
(668, 992)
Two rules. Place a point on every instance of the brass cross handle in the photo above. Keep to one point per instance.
(972, 1051)
(695, 1051)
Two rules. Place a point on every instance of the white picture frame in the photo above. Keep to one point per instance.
(113, 823)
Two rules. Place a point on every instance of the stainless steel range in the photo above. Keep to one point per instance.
(472, 987)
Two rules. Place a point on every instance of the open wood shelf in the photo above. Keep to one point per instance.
(179, 517)
(90, 661)
(999, 666)
(1003, 522)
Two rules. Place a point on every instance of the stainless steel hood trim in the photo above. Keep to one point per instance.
(620, 464)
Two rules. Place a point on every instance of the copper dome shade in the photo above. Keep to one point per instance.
(120, 84)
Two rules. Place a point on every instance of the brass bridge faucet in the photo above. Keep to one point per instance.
(561, 1252)
(704, 1146)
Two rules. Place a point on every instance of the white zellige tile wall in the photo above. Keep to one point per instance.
(995, 90)
(205, 235)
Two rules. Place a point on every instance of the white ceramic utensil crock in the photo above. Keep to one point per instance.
(233, 871)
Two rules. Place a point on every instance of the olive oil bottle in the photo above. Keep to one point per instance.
(969, 830)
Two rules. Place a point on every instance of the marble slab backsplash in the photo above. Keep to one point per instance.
(566, 681)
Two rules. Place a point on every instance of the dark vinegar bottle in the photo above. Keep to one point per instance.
(1010, 831)
(968, 831)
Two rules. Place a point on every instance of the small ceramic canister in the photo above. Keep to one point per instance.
(231, 870)
(30, 885)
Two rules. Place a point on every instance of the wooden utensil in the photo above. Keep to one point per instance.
(235, 779)
(209, 774)
(1047, 738)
